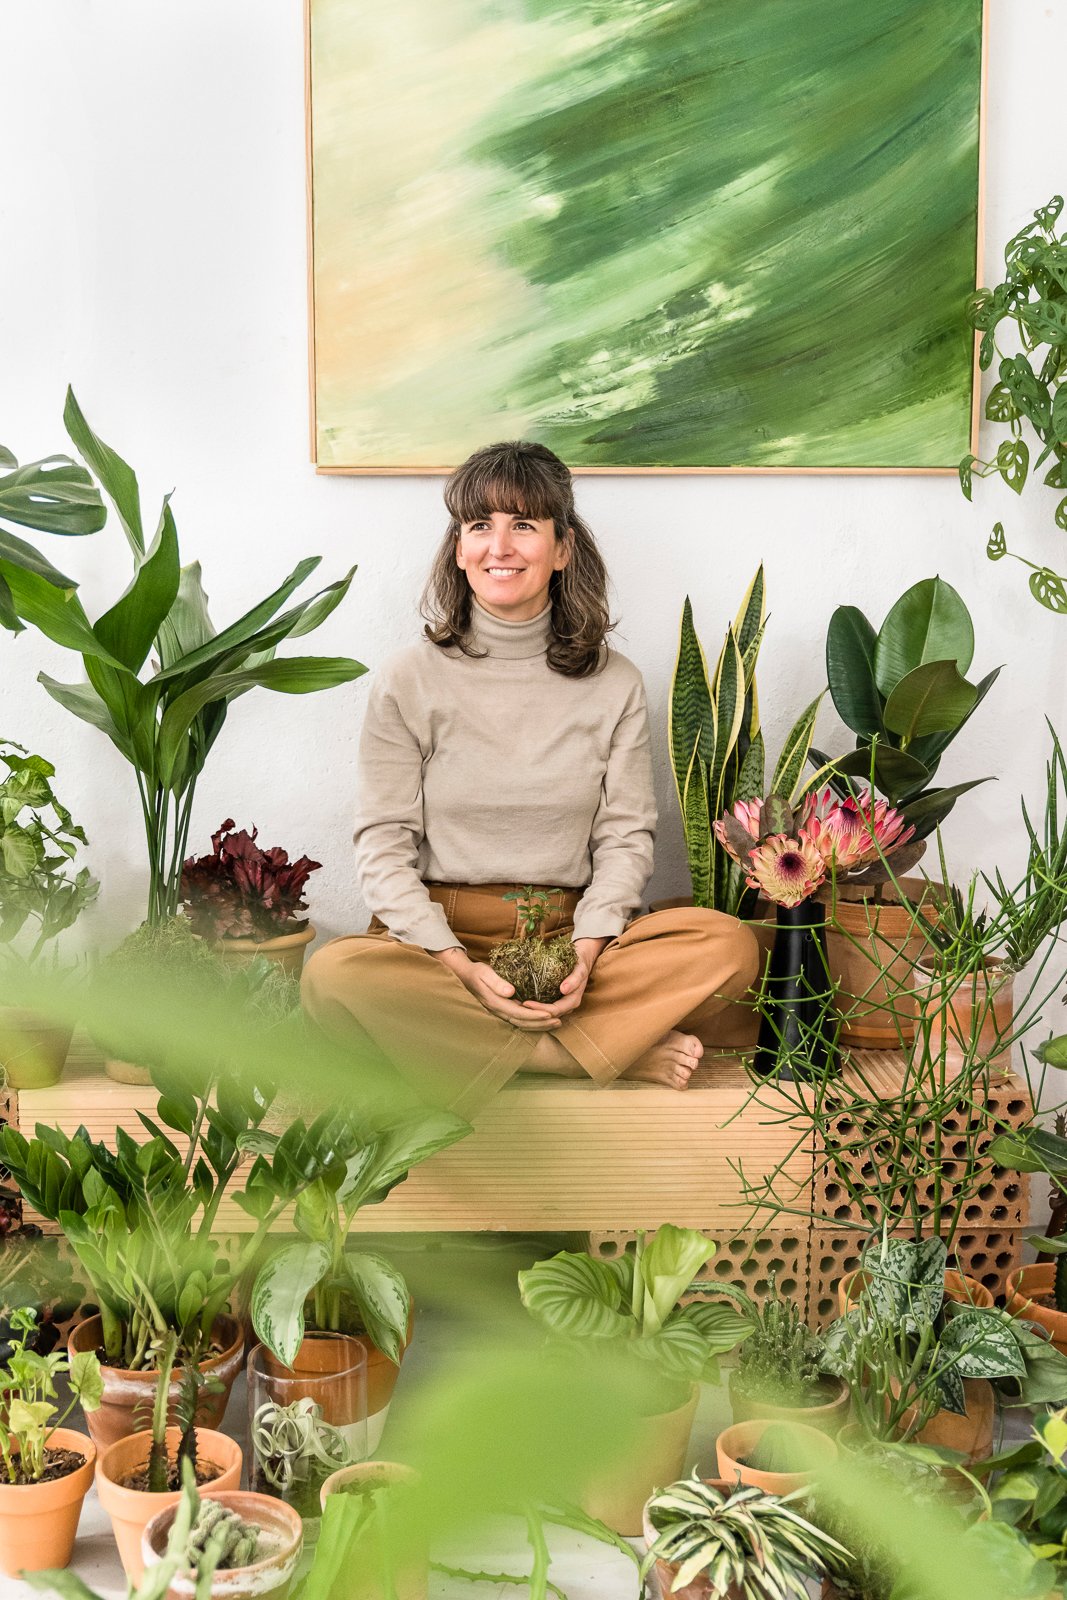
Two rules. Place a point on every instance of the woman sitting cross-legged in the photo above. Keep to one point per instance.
(510, 746)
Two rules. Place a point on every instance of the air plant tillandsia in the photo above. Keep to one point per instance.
(788, 852)
(533, 965)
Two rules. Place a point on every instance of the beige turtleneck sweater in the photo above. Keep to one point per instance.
(495, 769)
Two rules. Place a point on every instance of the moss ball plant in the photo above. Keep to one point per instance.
(533, 965)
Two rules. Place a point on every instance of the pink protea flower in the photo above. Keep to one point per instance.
(856, 831)
(744, 812)
(787, 870)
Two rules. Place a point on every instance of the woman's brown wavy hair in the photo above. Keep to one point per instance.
(528, 480)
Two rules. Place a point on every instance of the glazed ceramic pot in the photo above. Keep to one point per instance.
(286, 951)
(128, 1395)
(658, 1456)
(412, 1579)
(131, 1510)
(828, 1415)
(268, 1578)
(736, 1444)
(38, 1521)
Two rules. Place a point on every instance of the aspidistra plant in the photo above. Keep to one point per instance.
(164, 720)
(50, 496)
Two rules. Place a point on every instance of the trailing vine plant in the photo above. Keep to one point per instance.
(1033, 300)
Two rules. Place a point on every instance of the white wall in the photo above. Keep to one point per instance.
(152, 253)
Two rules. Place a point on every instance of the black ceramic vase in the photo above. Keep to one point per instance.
(798, 1026)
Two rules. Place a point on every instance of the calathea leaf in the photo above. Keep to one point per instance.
(668, 1266)
(575, 1296)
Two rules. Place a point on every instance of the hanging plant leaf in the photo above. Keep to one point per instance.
(996, 544)
(1013, 463)
(1047, 588)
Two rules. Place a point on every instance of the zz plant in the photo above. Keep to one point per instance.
(165, 723)
(1032, 302)
(903, 692)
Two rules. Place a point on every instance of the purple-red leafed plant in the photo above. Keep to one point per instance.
(243, 892)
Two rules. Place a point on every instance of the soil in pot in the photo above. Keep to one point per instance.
(277, 1555)
(128, 1395)
(33, 1051)
(39, 1521)
(131, 1508)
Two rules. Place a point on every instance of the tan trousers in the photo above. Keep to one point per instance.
(671, 969)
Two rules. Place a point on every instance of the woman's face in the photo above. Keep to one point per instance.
(509, 561)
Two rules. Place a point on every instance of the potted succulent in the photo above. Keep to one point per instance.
(46, 1470)
(775, 1456)
(787, 853)
(320, 1283)
(52, 496)
(239, 1546)
(40, 897)
(142, 1217)
(534, 965)
(629, 1309)
(248, 901)
(779, 1373)
(165, 718)
(902, 692)
(710, 1540)
(142, 1474)
(1030, 388)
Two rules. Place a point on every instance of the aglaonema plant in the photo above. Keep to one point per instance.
(1031, 395)
(164, 718)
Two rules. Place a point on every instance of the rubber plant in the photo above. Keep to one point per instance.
(902, 691)
(54, 495)
(165, 722)
(1032, 302)
(718, 753)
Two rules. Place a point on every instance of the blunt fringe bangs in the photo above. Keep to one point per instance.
(522, 479)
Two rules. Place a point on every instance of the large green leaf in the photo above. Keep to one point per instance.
(850, 645)
(696, 822)
(118, 479)
(930, 749)
(728, 695)
(668, 1266)
(376, 1169)
(928, 623)
(300, 619)
(54, 495)
(129, 628)
(18, 851)
(190, 668)
(794, 756)
(187, 626)
(690, 719)
(132, 707)
(934, 698)
(932, 807)
(1031, 1150)
(21, 554)
(382, 1299)
(295, 675)
(896, 773)
(57, 613)
(83, 700)
(282, 1285)
(982, 1345)
(576, 1296)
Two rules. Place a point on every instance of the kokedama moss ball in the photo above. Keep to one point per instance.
(536, 967)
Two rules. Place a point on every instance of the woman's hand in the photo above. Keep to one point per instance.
(494, 992)
(572, 989)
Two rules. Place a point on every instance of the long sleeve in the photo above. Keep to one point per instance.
(389, 826)
(623, 829)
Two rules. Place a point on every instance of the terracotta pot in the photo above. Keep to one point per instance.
(271, 1576)
(1028, 1285)
(381, 1379)
(658, 1457)
(131, 1510)
(829, 1415)
(740, 1440)
(979, 1012)
(127, 1072)
(960, 1288)
(872, 947)
(33, 1051)
(666, 1571)
(287, 950)
(38, 1521)
(128, 1396)
(972, 1434)
(411, 1581)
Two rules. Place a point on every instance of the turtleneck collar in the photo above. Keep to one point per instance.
(510, 641)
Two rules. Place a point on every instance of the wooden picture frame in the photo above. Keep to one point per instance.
(343, 460)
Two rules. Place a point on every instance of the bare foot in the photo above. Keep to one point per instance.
(549, 1055)
(671, 1062)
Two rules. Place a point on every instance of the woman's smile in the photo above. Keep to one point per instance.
(509, 560)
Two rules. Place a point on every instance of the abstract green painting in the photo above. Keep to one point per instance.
(650, 233)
